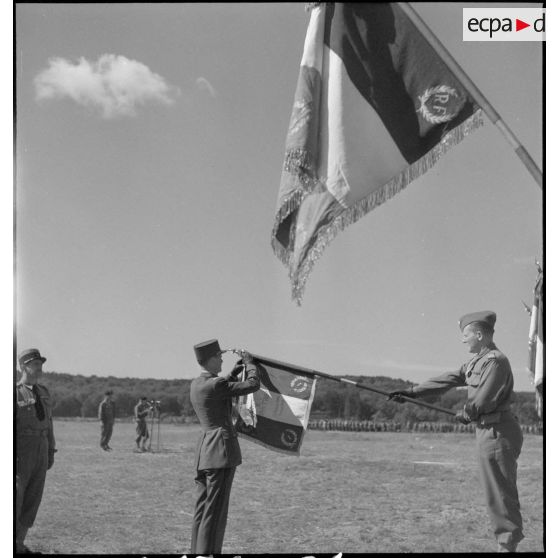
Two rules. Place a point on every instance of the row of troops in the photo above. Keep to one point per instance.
(348, 425)
(487, 375)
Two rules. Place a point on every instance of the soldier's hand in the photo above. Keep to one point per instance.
(50, 459)
(247, 358)
(238, 368)
(397, 395)
(462, 417)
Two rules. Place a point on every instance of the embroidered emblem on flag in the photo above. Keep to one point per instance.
(375, 107)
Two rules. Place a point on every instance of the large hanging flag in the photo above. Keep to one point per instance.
(375, 107)
(276, 416)
(535, 365)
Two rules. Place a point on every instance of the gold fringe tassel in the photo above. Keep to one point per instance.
(351, 215)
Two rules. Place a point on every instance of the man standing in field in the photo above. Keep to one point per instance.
(489, 379)
(107, 413)
(141, 410)
(218, 451)
(35, 446)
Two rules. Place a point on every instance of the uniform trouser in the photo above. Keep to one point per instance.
(213, 489)
(106, 433)
(499, 446)
(141, 431)
(32, 462)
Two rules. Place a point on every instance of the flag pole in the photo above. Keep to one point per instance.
(475, 92)
(279, 364)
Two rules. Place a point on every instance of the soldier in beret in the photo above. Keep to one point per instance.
(218, 451)
(35, 446)
(489, 380)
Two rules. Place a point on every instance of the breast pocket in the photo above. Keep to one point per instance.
(473, 379)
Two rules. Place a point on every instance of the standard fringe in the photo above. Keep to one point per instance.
(352, 214)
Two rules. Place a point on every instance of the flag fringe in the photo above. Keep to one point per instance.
(351, 215)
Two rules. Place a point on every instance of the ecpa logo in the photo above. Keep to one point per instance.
(503, 24)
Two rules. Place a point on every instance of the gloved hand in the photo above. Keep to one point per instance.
(396, 395)
(462, 417)
(50, 458)
(238, 368)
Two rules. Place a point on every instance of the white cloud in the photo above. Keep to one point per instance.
(204, 85)
(114, 84)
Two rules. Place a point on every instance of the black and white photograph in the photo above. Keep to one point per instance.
(279, 278)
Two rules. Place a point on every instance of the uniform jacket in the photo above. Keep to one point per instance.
(27, 422)
(211, 397)
(107, 411)
(489, 382)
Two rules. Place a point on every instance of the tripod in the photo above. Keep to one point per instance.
(154, 411)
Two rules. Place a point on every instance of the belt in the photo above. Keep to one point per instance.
(490, 419)
(34, 433)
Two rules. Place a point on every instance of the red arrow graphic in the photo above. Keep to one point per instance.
(519, 25)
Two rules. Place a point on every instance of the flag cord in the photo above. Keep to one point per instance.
(482, 101)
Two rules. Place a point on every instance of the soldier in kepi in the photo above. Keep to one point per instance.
(489, 380)
(35, 446)
(218, 451)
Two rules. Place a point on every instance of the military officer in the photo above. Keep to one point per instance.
(218, 451)
(489, 380)
(35, 446)
(107, 414)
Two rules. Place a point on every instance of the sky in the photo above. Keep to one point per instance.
(150, 142)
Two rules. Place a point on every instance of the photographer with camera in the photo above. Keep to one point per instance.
(141, 411)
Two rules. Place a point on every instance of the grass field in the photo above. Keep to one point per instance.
(348, 492)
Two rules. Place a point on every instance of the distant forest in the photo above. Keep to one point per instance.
(79, 396)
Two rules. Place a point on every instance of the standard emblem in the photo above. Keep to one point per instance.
(300, 384)
(439, 104)
(289, 438)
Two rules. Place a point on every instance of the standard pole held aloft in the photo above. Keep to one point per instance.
(271, 362)
(474, 91)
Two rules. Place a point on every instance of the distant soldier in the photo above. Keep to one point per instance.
(489, 382)
(107, 413)
(35, 444)
(141, 410)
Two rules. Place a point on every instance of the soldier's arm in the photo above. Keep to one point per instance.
(440, 384)
(233, 375)
(51, 441)
(228, 389)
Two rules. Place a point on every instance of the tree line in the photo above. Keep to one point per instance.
(75, 395)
